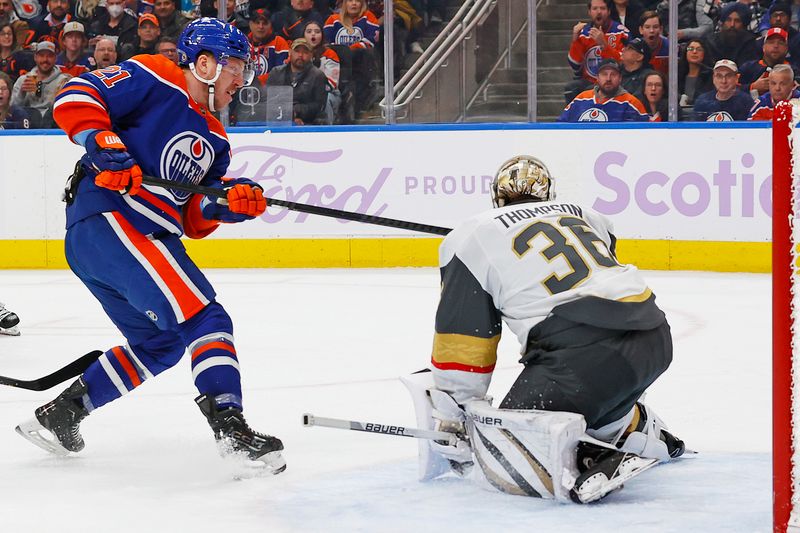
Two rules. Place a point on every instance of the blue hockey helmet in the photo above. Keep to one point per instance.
(220, 39)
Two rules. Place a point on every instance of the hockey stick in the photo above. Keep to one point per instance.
(304, 208)
(369, 427)
(74, 369)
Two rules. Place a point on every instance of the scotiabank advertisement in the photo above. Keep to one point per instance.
(655, 183)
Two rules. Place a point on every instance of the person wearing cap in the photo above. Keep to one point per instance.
(733, 41)
(147, 36)
(309, 96)
(74, 59)
(726, 102)
(171, 21)
(113, 22)
(608, 101)
(36, 90)
(599, 39)
(780, 16)
(49, 28)
(269, 49)
(754, 75)
(781, 88)
(635, 65)
(651, 30)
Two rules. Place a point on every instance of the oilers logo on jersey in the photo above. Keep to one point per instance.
(592, 60)
(186, 159)
(720, 116)
(593, 115)
(349, 39)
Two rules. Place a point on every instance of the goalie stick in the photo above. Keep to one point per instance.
(74, 369)
(310, 420)
(304, 208)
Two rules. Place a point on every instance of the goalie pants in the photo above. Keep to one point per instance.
(595, 371)
(160, 301)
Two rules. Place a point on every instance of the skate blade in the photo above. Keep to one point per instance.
(32, 431)
(591, 492)
(243, 467)
(12, 331)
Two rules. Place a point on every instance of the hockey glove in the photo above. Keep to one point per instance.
(116, 168)
(449, 416)
(245, 201)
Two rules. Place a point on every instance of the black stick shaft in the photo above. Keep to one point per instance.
(304, 208)
(74, 369)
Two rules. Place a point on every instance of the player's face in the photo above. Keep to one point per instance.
(608, 80)
(598, 12)
(651, 30)
(780, 86)
(260, 27)
(73, 41)
(653, 88)
(164, 8)
(313, 34)
(775, 49)
(45, 61)
(105, 53)
(695, 53)
(725, 80)
(230, 80)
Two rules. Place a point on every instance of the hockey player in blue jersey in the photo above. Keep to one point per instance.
(150, 116)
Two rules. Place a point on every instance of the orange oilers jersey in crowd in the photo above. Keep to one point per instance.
(585, 54)
(550, 253)
(586, 107)
(363, 35)
(764, 106)
(82, 65)
(146, 102)
(268, 55)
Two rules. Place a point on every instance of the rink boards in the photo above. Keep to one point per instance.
(683, 197)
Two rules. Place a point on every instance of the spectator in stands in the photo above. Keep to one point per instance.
(628, 13)
(13, 59)
(601, 38)
(168, 48)
(655, 96)
(146, 38)
(779, 15)
(725, 102)
(326, 59)
(170, 21)
(12, 117)
(733, 41)
(753, 8)
(49, 28)
(355, 26)
(308, 81)
(693, 21)
(23, 34)
(113, 22)
(36, 90)
(269, 50)
(694, 73)
(635, 66)
(781, 88)
(74, 59)
(407, 24)
(650, 29)
(754, 75)
(607, 101)
(105, 53)
(289, 21)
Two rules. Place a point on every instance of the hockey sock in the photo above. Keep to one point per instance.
(114, 374)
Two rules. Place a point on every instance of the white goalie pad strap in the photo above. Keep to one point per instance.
(648, 443)
(524, 452)
(613, 431)
(431, 463)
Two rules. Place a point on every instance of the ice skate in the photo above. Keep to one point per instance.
(9, 322)
(236, 439)
(649, 422)
(604, 470)
(56, 425)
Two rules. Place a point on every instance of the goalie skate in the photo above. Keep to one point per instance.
(8, 322)
(604, 471)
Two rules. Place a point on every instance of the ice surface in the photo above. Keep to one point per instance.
(332, 343)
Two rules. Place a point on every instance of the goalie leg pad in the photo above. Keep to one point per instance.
(525, 452)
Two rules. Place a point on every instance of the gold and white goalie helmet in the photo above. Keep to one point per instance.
(522, 178)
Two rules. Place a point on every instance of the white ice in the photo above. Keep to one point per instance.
(332, 343)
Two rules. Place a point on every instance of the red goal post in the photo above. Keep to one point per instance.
(786, 474)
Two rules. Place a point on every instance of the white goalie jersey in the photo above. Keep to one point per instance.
(516, 264)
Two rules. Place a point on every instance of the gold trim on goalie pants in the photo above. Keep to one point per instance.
(453, 351)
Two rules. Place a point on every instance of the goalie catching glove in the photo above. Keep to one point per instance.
(245, 201)
(116, 168)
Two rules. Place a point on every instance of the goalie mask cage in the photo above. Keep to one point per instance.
(785, 307)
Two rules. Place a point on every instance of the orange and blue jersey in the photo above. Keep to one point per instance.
(132, 99)
(659, 58)
(752, 71)
(274, 51)
(585, 54)
(364, 34)
(588, 106)
(764, 106)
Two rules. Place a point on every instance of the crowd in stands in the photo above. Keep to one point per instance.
(736, 60)
(328, 51)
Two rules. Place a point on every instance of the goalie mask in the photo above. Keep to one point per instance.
(522, 178)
